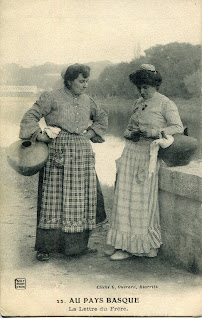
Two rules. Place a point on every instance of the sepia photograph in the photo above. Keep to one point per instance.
(100, 156)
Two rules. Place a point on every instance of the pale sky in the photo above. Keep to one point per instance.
(68, 31)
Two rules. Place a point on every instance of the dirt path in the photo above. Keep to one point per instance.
(50, 286)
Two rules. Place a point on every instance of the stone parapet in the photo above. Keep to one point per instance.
(181, 215)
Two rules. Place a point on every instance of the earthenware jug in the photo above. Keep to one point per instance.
(180, 152)
(27, 157)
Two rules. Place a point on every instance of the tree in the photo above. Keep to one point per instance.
(193, 83)
(174, 61)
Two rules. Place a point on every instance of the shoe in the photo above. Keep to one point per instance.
(120, 255)
(41, 256)
(110, 252)
(89, 250)
(151, 254)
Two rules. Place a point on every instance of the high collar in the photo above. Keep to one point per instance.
(67, 90)
(150, 99)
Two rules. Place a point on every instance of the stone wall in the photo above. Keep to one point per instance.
(181, 215)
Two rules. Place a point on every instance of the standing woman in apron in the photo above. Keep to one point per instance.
(68, 195)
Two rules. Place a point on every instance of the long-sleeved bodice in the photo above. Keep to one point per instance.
(158, 112)
(60, 108)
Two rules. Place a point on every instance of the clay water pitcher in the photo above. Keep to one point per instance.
(27, 157)
(181, 152)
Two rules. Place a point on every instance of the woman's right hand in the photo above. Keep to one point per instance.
(151, 133)
(43, 137)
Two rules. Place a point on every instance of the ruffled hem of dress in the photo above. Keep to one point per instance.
(135, 244)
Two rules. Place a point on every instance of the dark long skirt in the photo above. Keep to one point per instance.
(48, 241)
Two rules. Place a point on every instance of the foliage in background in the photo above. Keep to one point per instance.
(179, 64)
(193, 83)
(43, 76)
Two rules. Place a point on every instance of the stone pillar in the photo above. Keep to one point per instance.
(181, 215)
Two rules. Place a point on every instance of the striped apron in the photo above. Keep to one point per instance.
(135, 215)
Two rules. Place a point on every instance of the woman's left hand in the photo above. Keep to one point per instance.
(151, 133)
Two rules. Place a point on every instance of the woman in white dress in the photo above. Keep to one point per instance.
(135, 227)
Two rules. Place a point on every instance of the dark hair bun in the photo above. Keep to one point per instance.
(146, 77)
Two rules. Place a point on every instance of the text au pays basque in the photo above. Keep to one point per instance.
(107, 300)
